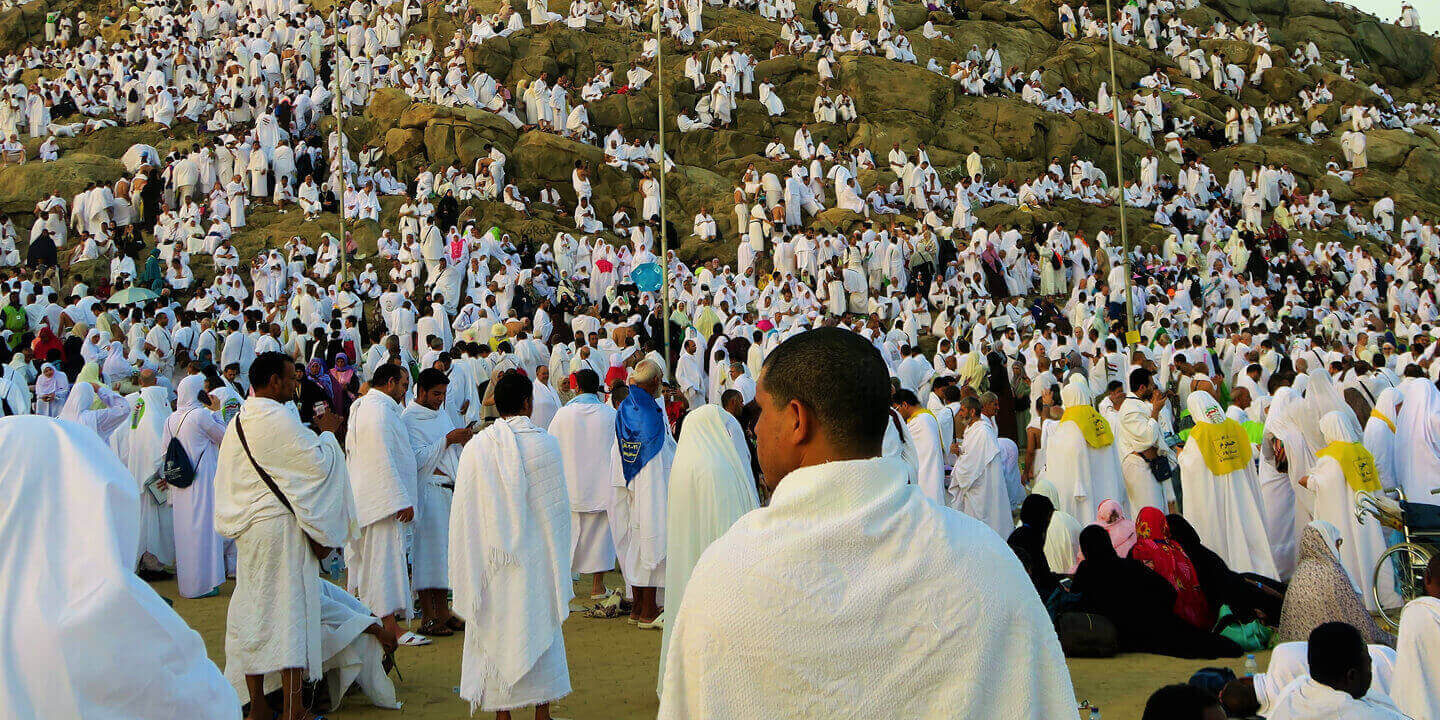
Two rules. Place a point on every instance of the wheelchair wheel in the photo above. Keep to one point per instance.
(1405, 563)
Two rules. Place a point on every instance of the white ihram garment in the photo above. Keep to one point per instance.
(977, 483)
(510, 567)
(435, 463)
(637, 516)
(1416, 687)
(1225, 509)
(585, 429)
(137, 443)
(274, 619)
(84, 637)
(824, 588)
(383, 479)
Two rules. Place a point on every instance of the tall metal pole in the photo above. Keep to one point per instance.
(1119, 167)
(340, 145)
(659, 28)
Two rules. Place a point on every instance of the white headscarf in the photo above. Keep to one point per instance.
(710, 488)
(82, 397)
(187, 392)
(68, 556)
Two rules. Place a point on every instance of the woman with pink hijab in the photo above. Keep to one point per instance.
(1120, 528)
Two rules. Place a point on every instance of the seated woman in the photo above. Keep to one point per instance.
(1139, 603)
(1321, 592)
(1249, 595)
(1028, 542)
(1159, 551)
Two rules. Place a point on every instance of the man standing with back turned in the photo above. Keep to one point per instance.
(819, 606)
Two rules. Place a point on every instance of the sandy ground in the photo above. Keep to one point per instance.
(613, 667)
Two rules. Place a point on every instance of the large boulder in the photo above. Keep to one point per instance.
(22, 185)
(877, 84)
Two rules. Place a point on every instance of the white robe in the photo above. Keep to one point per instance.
(199, 551)
(1416, 686)
(137, 443)
(977, 484)
(930, 455)
(86, 638)
(1307, 699)
(637, 516)
(786, 601)
(1363, 543)
(1225, 511)
(509, 567)
(586, 432)
(383, 479)
(274, 614)
(1084, 476)
(711, 487)
(435, 467)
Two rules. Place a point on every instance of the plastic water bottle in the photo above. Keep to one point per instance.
(1094, 712)
(1251, 668)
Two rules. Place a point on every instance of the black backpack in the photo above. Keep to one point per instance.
(176, 469)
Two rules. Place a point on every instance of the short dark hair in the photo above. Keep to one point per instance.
(1179, 702)
(904, 396)
(267, 366)
(512, 390)
(839, 375)
(1140, 377)
(386, 374)
(587, 380)
(733, 394)
(430, 377)
(1335, 649)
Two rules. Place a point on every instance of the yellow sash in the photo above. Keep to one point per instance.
(1225, 446)
(1357, 463)
(1386, 420)
(1092, 425)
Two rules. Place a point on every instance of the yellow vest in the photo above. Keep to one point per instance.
(1225, 445)
(1092, 425)
(1386, 420)
(1357, 463)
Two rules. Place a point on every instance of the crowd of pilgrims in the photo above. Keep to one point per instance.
(1271, 381)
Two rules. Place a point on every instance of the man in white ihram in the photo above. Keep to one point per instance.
(585, 429)
(817, 605)
(274, 620)
(383, 479)
(510, 560)
(644, 451)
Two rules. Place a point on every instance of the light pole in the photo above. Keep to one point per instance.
(1110, 25)
(658, 26)
(340, 145)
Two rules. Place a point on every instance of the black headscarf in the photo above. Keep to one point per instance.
(1028, 542)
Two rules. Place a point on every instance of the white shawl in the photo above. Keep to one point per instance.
(820, 605)
(84, 637)
(380, 459)
(511, 594)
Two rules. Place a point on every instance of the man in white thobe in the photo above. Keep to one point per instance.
(509, 535)
(585, 428)
(977, 483)
(273, 623)
(640, 476)
(437, 436)
(841, 599)
(383, 479)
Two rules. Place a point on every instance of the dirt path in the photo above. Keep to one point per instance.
(613, 666)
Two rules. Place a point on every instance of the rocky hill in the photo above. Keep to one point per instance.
(896, 102)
